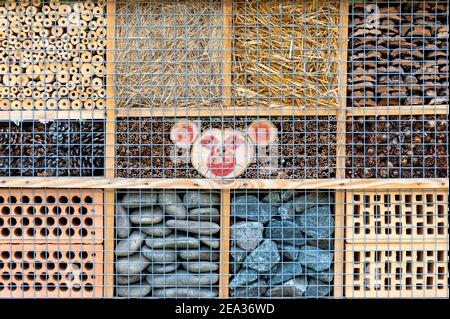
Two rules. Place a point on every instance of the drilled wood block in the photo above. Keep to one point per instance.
(51, 271)
(41, 216)
(396, 271)
(397, 216)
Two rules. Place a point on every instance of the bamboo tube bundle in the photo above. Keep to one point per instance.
(286, 53)
(168, 53)
(45, 62)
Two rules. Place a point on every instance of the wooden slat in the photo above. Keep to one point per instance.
(133, 183)
(52, 115)
(339, 239)
(227, 8)
(224, 270)
(398, 110)
(109, 243)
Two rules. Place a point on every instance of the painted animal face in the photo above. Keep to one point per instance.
(226, 153)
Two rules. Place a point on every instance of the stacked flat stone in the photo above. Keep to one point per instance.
(282, 245)
(167, 244)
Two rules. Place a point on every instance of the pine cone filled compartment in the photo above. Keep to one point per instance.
(398, 53)
(59, 148)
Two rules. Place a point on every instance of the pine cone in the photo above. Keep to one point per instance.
(56, 165)
(5, 166)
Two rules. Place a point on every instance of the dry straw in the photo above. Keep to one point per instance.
(168, 53)
(286, 53)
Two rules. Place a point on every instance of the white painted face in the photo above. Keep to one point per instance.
(223, 153)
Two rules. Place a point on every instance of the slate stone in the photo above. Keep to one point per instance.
(317, 222)
(130, 245)
(287, 195)
(172, 204)
(201, 266)
(156, 230)
(243, 277)
(325, 276)
(284, 231)
(263, 257)
(284, 272)
(194, 199)
(247, 235)
(159, 255)
(146, 216)
(191, 292)
(182, 278)
(315, 258)
(273, 198)
(199, 255)
(289, 252)
(317, 288)
(165, 268)
(302, 202)
(134, 291)
(205, 214)
(172, 241)
(210, 241)
(132, 265)
(194, 227)
(295, 287)
(131, 279)
(327, 244)
(248, 207)
(140, 199)
(238, 254)
(252, 290)
(123, 224)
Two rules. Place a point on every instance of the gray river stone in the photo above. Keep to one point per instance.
(156, 230)
(272, 198)
(172, 203)
(191, 292)
(131, 279)
(204, 213)
(172, 241)
(159, 255)
(195, 199)
(288, 251)
(123, 224)
(165, 268)
(247, 235)
(182, 278)
(194, 227)
(132, 265)
(199, 255)
(238, 254)
(285, 231)
(295, 287)
(140, 199)
(134, 291)
(130, 245)
(315, 258)
(284, 272)
(317, 222)
(243, 277)
(264, 257)
(210, 241)
(325, 276)
(248, 207)
(146, 216)
(251, 290)
(201, 266)
(317, 288)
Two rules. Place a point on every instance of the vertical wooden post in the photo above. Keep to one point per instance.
(110, 148)
(224, 270)
(227, 35)
(339, 233)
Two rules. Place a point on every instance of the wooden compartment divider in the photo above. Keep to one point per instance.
(224, 270)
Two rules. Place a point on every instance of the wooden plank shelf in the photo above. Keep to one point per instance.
(50, 115)
(398, 110)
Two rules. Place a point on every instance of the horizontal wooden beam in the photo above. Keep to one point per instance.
(47, 115)
(398, 110)
(115, 183)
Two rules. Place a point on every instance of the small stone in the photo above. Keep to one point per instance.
(248, 207)
(199, 228)
(165, 268)
(317, 222)
(172, 203)
(327, 244)
(195, 199)
(295, 287)
(132, 265)
(285, 213)
(172, 241)
(252, 290)
(210, 241)
(264, 257)
(247, 235)
(182, 278)
(235, 267)
(157, 230)
(243, 277)
(315, 258)
(199, 255)
(302, 202)
(238, 254)
(201, 266)
(159, 255)
(285, 231)
(129, 246)
(134, 291)
(287, 195)
(325, 276)
(140, 199)
(205, 213)
(317, 288)
(285, 271)
(126, 280)
(123, 223)
(272, 198)
(288, 251)
(191, 292)
(145, 216)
